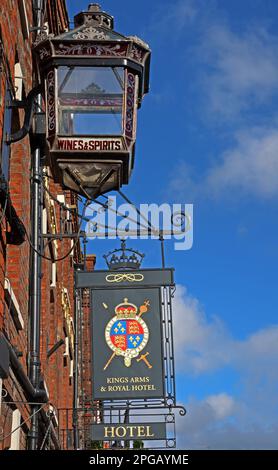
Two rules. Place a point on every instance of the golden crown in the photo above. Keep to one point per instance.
(126, 309)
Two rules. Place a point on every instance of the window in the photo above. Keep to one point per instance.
(44, 221)
(18, 81)
(66, 223)
(53, 278)
(66, 353)
(90, 100)
(7, 129)
(16, 429)
(13, 304)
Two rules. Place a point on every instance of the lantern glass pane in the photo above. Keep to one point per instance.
(90, 100)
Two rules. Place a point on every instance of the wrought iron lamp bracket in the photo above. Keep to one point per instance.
(29, 106)
(34, 29)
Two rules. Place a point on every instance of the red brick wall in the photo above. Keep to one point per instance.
(53, 325)
(86, 392)
(15, 260)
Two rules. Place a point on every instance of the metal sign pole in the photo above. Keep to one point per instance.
(35, 277)
(76, 369)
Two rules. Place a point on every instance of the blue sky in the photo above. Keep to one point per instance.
(208, 135)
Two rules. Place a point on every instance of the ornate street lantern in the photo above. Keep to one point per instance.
(95, 79)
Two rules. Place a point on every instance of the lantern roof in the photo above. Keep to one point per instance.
(95, 24)
(91, 31)
(92, 24)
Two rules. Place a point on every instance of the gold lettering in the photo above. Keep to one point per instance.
(140, 388)
(120, 431)
(117, 380)
(118, 388)
(128, 431)
(137, 380)
(141, 431)
(148, 434)
(109, 432)
(131, 429)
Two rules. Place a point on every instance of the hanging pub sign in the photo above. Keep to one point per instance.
(127, 344)
(128, 338)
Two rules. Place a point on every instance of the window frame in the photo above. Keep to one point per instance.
(106, 112)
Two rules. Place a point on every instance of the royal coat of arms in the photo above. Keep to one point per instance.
(127, 333)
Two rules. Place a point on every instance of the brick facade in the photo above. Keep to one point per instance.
(57, 300)
(14, 260)
(85, 362)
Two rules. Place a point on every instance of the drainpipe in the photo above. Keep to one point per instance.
(76, 369)
(35, 394)
(35, 278)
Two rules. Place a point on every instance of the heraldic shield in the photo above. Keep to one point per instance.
(127, 333)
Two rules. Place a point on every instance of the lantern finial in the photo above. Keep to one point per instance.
(94, 7)
(94, 15)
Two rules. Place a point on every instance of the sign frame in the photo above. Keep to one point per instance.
(151, 430)
(95, 279)
(121, 411)
(161, 279)
(119, 396)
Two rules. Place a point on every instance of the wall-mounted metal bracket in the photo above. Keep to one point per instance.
(34, 29)
(17, 234)
(55, 347)
(29, 106)
(61, 236)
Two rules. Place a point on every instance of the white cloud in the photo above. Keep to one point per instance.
(221, 404)
(200, 344)
(249, 168)
(236, 78)
(173, 18)
(240, 69)
(237, 83)
(221, 421)
(204, 345)
(202, 429)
